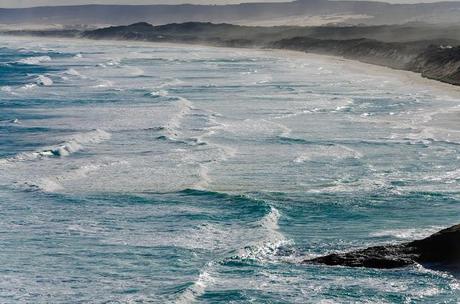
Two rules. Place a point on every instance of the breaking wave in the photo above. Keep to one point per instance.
(271, 248)
(43, 80)
(34, 60)
(159, 93)
(198, 287)
(73, 145)
(409, 234)
(272, 242)
(56, 183)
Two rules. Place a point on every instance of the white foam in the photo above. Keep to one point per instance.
(202, 153)
(43, 80)
(73, 145)
(302, 158)
(257, 127)
(198, 288)
(104, 84)
(271, 241)
(72, 72)
(136, 71)
(270, 221)
(203, 178)
(170, 83)
(334, 152)
(35, 60)
(227, 152)
(297, 113)
(159, 93)
(44, 184)
(409, 234)
(81, 226)
(57, 183)
(343, 185)
(427, 135)
(448, 177)
(113, 62)
(28, 86)
(285, 131)
(184, 106)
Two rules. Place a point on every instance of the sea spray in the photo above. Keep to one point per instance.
(72, 145)
(35, 60)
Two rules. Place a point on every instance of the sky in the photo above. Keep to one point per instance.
(29, 3)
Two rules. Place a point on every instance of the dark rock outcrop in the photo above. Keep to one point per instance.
(440, 250)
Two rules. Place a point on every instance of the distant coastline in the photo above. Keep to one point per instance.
(397, 47)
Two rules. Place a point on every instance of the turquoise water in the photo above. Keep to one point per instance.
(143, 173)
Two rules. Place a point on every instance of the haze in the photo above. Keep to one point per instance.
(32, 3)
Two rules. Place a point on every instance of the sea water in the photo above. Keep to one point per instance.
(155, 173)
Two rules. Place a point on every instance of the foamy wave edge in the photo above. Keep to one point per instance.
(74, 144)
(34, 60)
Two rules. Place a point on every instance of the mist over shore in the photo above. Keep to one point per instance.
(432, 50)
(300, 13)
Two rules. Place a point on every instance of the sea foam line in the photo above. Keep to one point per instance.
(73, 145)
(270, 243)
(34, 60)
(55, 183)
(408, 234)
(184, 107)
(198, 288)
(43, 80)
(260, 251)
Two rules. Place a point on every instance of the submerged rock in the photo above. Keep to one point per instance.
(441, 249)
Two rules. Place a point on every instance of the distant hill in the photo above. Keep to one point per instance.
(433, 51)
(301, 12)
(409, 49)
(261, 35)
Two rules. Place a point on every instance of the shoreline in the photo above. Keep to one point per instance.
(436, 57)
(407, 76)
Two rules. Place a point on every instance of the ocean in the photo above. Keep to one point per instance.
(160, 173)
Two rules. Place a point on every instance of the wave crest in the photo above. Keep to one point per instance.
(34, 60)
(73, 145)
(43, 80)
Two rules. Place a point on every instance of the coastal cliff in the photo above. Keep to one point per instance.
(398, 47)
(437, 58)
(432, 59)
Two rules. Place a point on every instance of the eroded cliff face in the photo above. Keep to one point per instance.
(433, 59)
(392, 54)
(437, 58)
(438, 62)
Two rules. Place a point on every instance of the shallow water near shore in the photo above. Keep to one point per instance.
(153, 173)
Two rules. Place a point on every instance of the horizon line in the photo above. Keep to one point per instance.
(229, 4)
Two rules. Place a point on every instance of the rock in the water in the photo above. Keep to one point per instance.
(441, 248)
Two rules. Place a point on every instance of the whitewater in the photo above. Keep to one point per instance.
(160, 173)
